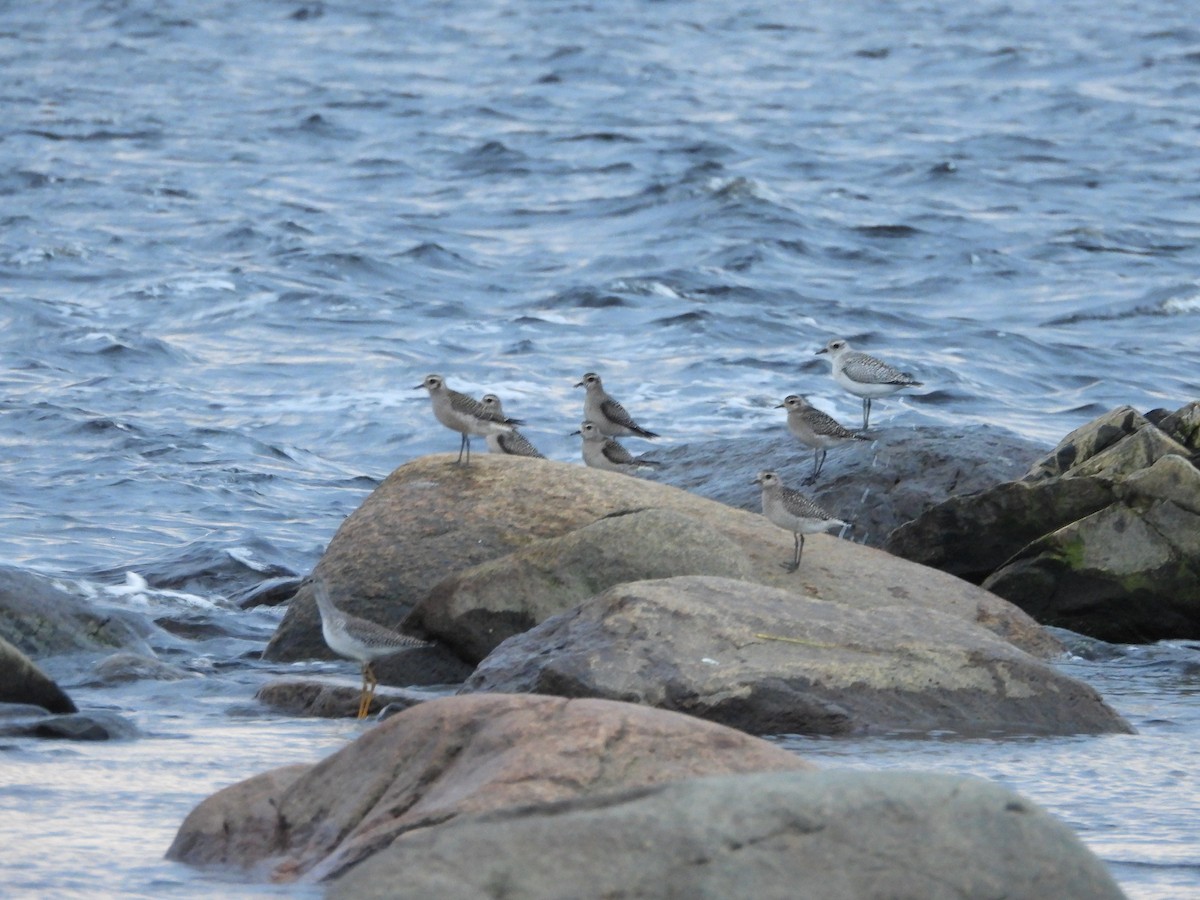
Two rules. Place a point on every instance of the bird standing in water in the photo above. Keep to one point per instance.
(359, 639)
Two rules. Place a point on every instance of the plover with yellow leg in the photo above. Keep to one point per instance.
(865, 376)
(464, 414)
(359, 639)
(794, 512)
(607, 414)
(511, 443)
(600, 452)
(815, 429)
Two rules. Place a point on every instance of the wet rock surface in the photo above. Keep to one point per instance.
(1099, 537)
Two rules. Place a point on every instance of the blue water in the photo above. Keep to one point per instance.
(236, 235)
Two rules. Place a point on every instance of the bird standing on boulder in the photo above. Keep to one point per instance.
(864, 375)
(815, 429)
(600, 452)
(609, 416)
(464, 414)
(793, 511)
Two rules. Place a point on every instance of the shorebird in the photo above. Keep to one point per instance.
(864, 375)
(815, 429)
(602, 452)
(464, 414)
(511, 442)
(793, 511)
(607, 414)
(361, 640)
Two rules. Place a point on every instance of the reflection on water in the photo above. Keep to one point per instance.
(113, 808)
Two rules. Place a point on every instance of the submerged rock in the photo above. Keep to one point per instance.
(43, 619)
(1100, 536)
(126, 666)
(448, 758)
(771, 662)
(328, 699)
(90, 725)
(785, 835)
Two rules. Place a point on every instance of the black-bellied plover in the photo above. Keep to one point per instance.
(793, 511)
(512, 443)
(607, 414)
(601, 452)
(815, 429)
(864, 375)
(464, 414)
(359, 639)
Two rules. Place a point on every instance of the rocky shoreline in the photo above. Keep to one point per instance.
(581, 603)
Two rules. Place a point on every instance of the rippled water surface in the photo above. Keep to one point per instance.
(236, 235)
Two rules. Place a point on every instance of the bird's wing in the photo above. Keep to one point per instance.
(615, 412)
(825, 424)
(868, 370)
(516, 444)
(802, 505)
(617, 454)
(469, 406)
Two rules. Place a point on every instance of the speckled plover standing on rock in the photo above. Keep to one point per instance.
(602, 452)
(512, 443)
(815, 429)
(464, 414)
(607, 414)
(864, 375)
(793, 511)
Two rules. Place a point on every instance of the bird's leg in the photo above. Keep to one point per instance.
(464, 442)
(362, 693)
(799, 548)
(866, 412)
(372, 683)
(818, 463)
(794, 564)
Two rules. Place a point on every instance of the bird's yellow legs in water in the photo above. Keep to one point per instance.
(369, 683)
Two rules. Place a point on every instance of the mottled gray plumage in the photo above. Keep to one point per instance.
(600, 452)
(815, 429)
(794, 512)
(607, 414)
(360, 640)
(511, 443)
(864, 375)
(464, 414)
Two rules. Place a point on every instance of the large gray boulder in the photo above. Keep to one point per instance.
(477, 609)
(1099, 536)
(448, 758)
(23, 682)
(787, 835)
(878, 484)
(770, 661)
(432, 519)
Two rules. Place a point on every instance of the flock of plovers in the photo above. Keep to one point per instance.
(604, 420)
